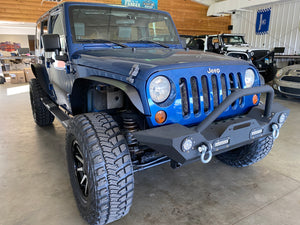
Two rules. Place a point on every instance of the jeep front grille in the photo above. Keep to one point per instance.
(201, 94)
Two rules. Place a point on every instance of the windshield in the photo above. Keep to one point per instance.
(100, 24)
(233, 40)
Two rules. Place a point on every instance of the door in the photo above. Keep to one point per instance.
(61, 80)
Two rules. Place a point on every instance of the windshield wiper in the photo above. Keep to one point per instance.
(148, 41)
(102, 41)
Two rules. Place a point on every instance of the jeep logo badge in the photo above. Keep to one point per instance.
(213, 70)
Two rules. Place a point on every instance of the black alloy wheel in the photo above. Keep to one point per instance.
(79, 169)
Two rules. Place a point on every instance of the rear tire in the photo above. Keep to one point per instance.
(100, 168)
(42, 116)
(248, 154)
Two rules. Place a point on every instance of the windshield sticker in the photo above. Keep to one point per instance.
(149, 4)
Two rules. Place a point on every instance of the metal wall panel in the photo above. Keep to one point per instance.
(284, 29)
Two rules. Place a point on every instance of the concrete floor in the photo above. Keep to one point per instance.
(35, 188)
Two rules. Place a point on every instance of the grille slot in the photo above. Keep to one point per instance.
(289, 90)
(224, 87)
(205, 93)
(232, 86)
(184, 96)
(215, 90)
(240, 85)
(195, 93)
(291, 78)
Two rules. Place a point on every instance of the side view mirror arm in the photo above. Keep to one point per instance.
(63, 57)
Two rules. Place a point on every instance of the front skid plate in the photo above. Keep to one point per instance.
(222, 135)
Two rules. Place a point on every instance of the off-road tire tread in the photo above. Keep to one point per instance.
(248, 154)
(111, 180)
(42, 116)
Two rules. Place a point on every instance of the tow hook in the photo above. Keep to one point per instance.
(275, 130)
(205, 149)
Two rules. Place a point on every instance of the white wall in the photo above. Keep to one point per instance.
(20, 28)
(284, 29)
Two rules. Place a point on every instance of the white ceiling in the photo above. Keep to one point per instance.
(220, 7)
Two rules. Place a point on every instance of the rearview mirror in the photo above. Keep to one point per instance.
(51, 43)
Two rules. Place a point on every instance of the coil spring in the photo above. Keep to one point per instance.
(130, 126)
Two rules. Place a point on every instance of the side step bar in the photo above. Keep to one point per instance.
(56, 111)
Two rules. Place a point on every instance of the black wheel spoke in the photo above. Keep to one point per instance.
(79, 158)
(79, 170)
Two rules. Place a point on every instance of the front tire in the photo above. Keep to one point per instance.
(42, 116)
(248, 154)
(100, 168)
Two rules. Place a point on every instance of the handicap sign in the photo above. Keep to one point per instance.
(263, 21)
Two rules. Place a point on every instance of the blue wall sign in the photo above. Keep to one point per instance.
(149, 4)
(263, 21)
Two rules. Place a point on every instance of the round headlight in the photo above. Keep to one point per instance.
(279, 73)
(249, 78)
(160, 89)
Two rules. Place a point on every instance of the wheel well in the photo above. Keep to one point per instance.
(94, 96)
(41, 75)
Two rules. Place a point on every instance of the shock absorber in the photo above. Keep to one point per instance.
(130, 126)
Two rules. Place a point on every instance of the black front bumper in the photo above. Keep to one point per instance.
(220, 136)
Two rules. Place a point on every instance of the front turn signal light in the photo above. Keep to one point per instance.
(160, 116)
(254, 99)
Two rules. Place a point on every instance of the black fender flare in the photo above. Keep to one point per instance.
(81, 85)
(41, 75)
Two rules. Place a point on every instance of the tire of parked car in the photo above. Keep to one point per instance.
(42, 116)
(248, 154)
(270, 73)
(100, 168)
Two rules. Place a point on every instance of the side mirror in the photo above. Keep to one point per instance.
(51, 43)
(279, 49)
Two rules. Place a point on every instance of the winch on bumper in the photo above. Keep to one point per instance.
(186, 144)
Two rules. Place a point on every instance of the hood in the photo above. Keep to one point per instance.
(293, 70)
(239, 48)
(121, 60)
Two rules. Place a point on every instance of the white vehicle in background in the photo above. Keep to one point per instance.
(235, 45)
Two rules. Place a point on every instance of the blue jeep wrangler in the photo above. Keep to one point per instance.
(132, 97)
